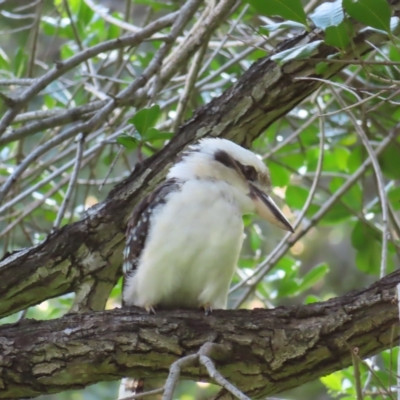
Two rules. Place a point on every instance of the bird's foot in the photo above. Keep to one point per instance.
(150, 309)
(207, 308)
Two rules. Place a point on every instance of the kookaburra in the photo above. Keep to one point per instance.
(184, 239)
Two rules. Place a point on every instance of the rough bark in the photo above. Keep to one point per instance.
(269, 350)
(87, 254)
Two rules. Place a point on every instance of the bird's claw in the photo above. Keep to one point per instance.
(150, 310)
(207, 308)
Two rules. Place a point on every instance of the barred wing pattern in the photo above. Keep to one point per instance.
(139, 224)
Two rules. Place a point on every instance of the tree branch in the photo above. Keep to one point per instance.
(270, 350)
(92, 247)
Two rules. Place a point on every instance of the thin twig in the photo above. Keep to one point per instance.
(72, 182)
(356, 373)
(174, 374)
(212, 371)
(144, 394)
(189, 85)
(224, 40)
(65, 66)
(55, 173)
(111, 168)
(155, 64)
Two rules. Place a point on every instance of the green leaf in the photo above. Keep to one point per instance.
(73, 4)
(295, 160)
(85, 15)
(154, 134)
(20, 62)
(145, 119)
(328, 15)
(313, 276)
(362, 235)
(355, 159)
(321, 67)
(296, 53)
(285, 277)
(309, 136)
(286, 286)
(333, 381)
(311, 299)
(374, 13)
(368, 259)
(113, 31)
(255, 238)
(127, 141)
(296, 196)
(66, 51)
(337, 213)
(341, 155)
(4, 60)
(287, 9)
(54, 27)
(338, 36)
(313, 155)
(279, 176)
(389, 161)
(394, 198)
(353, 197)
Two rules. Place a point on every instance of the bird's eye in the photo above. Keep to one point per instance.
(249, 172)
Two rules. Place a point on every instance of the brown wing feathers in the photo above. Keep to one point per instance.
(139, 224)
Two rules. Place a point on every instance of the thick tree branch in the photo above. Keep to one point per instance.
(91, 248)
(269, 350)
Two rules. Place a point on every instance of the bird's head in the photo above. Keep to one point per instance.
(222, 160)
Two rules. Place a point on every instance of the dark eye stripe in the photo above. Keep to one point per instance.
(224, 158)
(248, 171)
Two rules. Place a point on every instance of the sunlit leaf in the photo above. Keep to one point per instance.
(284, 25)
(4, 60)
(341, 155)
(333, 381)
(328, 14)
(311, 299)
(20, 62)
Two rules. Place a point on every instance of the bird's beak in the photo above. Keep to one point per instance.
(267, 209)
